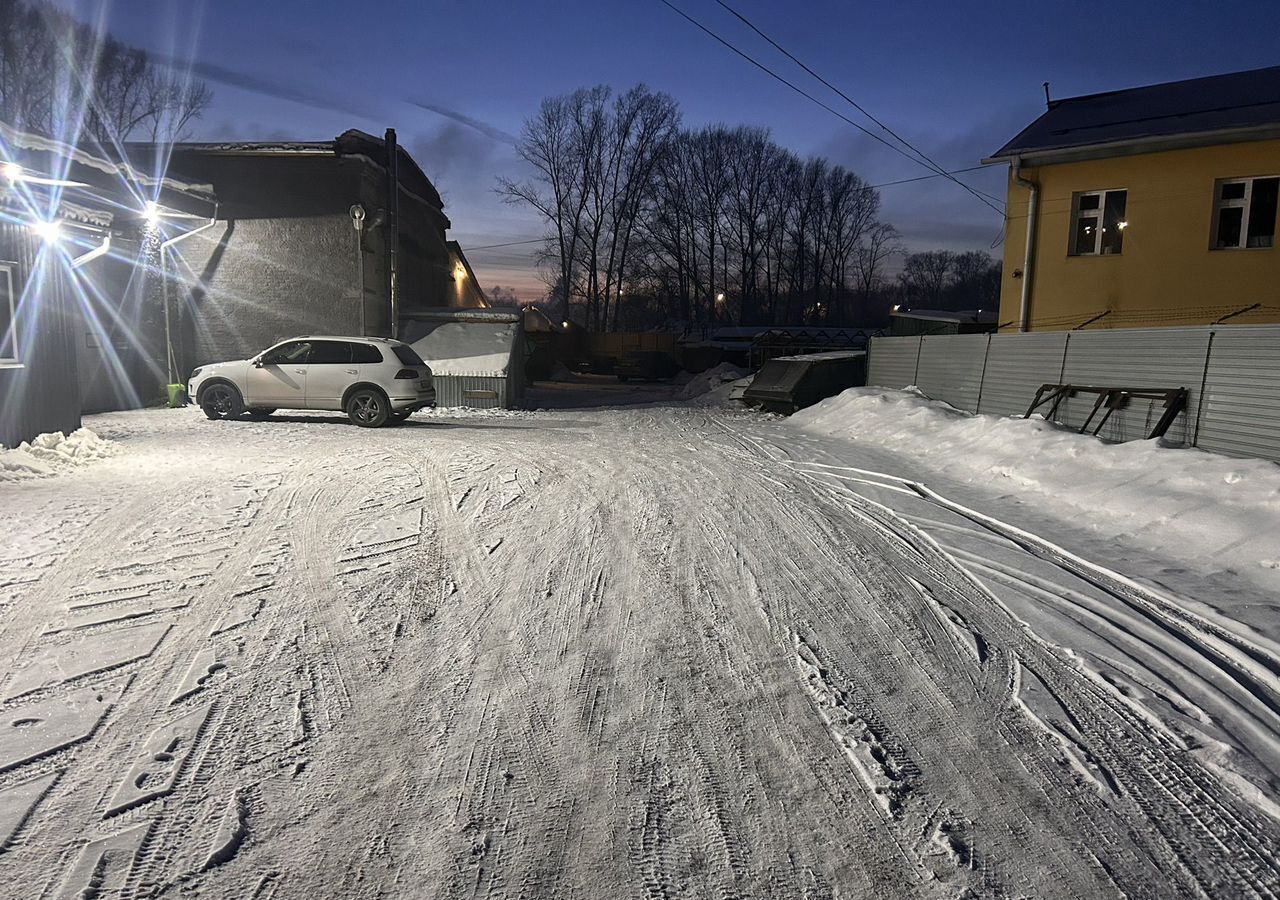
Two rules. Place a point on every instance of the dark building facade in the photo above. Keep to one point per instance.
(306, 240)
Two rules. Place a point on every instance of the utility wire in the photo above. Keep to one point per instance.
(933, 167)
(507, 244)
(899, 138)
(872, 186)
(927, 177)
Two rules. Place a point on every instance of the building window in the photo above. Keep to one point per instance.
(1244, 213)
(1098, 223)
(8, 315)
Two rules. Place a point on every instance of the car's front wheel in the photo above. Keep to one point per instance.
(368, 408)
(221, 401)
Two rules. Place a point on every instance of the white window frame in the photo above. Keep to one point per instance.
(1244, 204)
(1095, 214)
(7, 270)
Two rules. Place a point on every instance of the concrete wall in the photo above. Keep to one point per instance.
(258, 281)
(1166, 273)
(284, 257)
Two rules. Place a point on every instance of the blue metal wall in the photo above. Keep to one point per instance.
(42, 392)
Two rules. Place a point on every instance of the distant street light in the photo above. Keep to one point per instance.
(13, 171)
(151, 212)
(720, 298)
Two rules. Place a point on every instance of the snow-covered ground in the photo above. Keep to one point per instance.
(661, 650)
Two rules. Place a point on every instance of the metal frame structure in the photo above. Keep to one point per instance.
(1174, 401)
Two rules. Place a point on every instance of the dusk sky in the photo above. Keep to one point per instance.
(456, 78)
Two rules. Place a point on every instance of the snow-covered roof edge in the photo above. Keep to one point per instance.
(35, 143)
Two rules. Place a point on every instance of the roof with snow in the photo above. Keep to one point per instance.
(476, 348)
(351, 142)
(1219, 108)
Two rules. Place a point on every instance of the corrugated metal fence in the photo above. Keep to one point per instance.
(1232, 373)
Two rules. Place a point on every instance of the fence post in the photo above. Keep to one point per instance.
(1204, 381)
(915, 379)
(986, 354)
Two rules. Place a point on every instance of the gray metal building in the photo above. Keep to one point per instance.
(80, 280)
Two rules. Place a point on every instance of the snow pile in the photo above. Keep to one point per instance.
(49, 454)
(1225, 511)
(711, 382)
(469, 348)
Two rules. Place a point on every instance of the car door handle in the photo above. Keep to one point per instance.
(300, 371)
(353, 371)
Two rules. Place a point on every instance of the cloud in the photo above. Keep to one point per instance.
(272, 87)
(489, 131)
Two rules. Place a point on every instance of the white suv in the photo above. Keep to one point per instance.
(372, 379)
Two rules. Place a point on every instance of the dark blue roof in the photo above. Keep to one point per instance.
(1218, 103)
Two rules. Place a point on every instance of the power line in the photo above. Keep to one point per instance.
(774, 75)
(507, 244)
(927, 177)
(923, 156)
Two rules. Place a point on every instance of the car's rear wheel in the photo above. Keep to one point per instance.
(258, 413)
(221, 401)
(368, 408)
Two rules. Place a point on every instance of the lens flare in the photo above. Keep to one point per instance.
(49, 231)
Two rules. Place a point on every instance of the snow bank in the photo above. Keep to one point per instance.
(710, 381)
(1225, 511)
(469, 348)
(49, 454)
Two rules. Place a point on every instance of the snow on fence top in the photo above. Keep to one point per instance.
(469, 348)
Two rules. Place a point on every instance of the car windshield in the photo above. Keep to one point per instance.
(407, 355)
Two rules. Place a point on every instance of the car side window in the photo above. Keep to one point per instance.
(329, 353)
(294, 352)
(365, 353)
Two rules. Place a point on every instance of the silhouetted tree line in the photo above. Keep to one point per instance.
(62, 78)
(941, 279)
(650, 224)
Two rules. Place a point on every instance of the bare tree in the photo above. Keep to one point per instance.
(649, 223)
(880, 242)
(61, 77)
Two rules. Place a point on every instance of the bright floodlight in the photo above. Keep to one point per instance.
(460, 272)
(12, 171)
(151, 213)
(49, 231)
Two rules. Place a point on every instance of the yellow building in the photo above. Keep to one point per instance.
(1146, 207)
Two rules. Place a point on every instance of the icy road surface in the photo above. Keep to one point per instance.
(647, 652)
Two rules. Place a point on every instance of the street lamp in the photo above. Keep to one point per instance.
(12, 171)
(151, 213)
(48, 231)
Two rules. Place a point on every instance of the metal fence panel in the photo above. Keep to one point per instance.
(1240, 411)
(1017, 364)
(475, 391)
(951, 366)
(892, 361)
(1136, 357)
